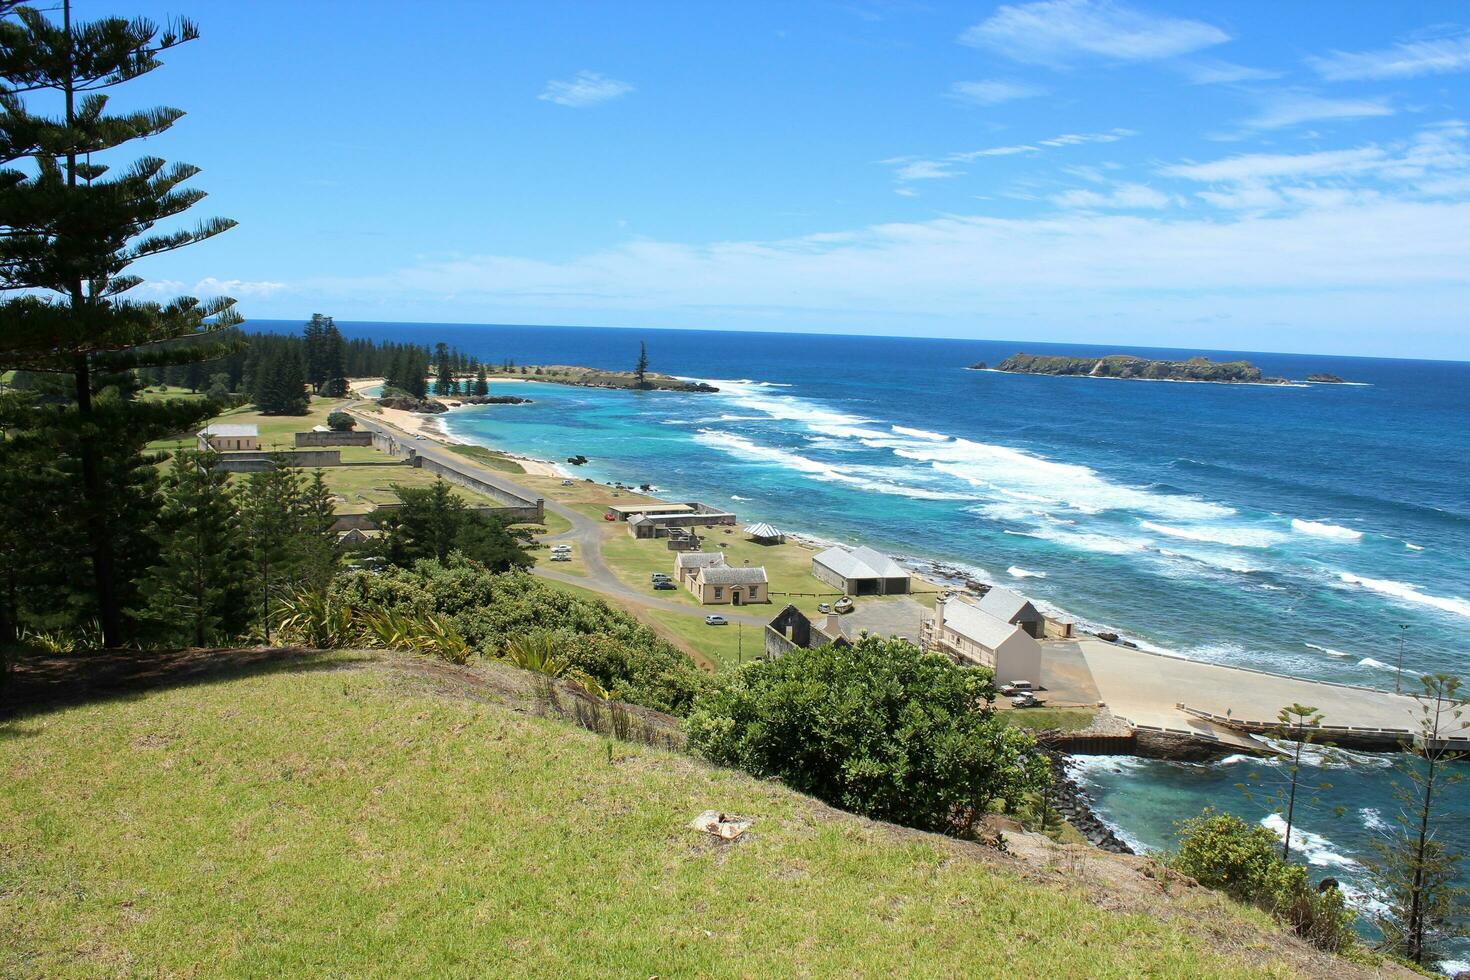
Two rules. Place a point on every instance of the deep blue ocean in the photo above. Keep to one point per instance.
(1305, 530)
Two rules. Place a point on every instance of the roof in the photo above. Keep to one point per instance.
(763, 530)
(640, 519)
(721, 575)
(1004, 604)
(861, 562)
(974, 623)
(219, 429)
(649, 508)
(698, 559)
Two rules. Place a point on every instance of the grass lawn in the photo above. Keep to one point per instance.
(158, 393)
(725, 646)
(1042, 719)
(489, 459)
(355, 817)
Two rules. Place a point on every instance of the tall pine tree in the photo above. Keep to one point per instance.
(70, 226)
(196, 592)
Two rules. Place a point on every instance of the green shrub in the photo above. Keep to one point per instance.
(877, 728)
(340, 422)
(317, 620)
(1223, 852)
(622, 655)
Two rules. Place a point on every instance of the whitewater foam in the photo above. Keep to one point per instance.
(1408, 593)
(1318, 850)
(737, 445)
(1328, 650)
(1322, 529)
(1235, 537)
(1017, 572)
(904, 430)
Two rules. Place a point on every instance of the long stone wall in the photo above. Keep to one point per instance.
(260, 461)
(304, 439)
(512, 501)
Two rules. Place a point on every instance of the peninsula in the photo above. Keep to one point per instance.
(586, 377)
(1129, 366)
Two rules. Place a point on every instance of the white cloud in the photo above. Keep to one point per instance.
(1404, 60)
(925, 170)
(1122, 197)
(1294, 108)
(1224, 73)
(914, 168)
(1066, 139)
(1261, 166)
(586, 88)
(1055, 32)
(210, 286)
(994, 92)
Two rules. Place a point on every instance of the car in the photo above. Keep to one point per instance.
(1024, 701)
(561, 556)
(664, 585)
(659, 577)
(824, 607)
(567, 483)
(843, 605)
(714, 619)
(1022, 686)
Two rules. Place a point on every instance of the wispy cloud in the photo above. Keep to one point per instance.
(1404, 60)
(1055, 32)
(211, 286)
(1294, 108)
(1224, 73)
(1123, 197)
(1434, 163)
(909, 168)
(994, 92)
(586, 88)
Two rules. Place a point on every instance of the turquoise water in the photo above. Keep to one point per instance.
(1293, 529)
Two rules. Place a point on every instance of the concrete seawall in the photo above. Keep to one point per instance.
(515, 505)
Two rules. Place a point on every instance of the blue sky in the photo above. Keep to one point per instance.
(1246, 176)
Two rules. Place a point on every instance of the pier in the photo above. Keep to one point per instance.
(1227, 707)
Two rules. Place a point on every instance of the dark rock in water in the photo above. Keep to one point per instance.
(577, 460)
(645, 487)
(979, 366)
(496, 400)
(693, 386)
(427, 406)
(1109, 637)
(1129, 644)
(1325, 379)
(1132, 366)
(1326, 884)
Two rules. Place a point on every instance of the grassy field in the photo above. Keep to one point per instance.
(354, 816)
(1042, 719)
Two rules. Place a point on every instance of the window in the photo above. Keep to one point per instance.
(719, 592)
(755, 591)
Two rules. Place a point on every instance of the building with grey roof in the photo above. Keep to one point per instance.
(860, 571)
(1012, 607)
(965, 631)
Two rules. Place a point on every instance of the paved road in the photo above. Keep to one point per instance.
(586, 534)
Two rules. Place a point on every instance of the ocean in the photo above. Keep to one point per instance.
(1317, 531)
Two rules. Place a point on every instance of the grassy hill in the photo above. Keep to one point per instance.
(372, 813)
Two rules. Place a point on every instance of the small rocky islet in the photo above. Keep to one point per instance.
(1133, 367)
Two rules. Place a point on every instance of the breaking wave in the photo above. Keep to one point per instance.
(1017, 572)
(1318, 850)
(1321, 529)
(1408, 593)
(1234, 537)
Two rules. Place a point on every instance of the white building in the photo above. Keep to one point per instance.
(226, 438)
(1014, 608)
(860, 571)
(967, 632)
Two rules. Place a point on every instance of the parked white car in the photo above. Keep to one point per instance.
(715, 620)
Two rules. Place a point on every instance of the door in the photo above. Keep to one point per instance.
(735, 596)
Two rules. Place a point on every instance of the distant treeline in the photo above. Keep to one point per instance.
(275, 370)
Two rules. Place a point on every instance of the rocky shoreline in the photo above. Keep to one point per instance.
(1070, 800)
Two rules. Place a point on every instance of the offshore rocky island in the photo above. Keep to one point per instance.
(1131, 367)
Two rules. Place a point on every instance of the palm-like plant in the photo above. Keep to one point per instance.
(316, 619)
(421, 632)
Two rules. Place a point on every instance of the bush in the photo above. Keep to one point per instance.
(1223, 852)
(625, 657)
(878, 728)
(341, 422)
